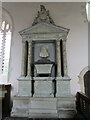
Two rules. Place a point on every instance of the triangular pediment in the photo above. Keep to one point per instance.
(43, 28)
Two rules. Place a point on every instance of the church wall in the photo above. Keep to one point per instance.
(68, 15)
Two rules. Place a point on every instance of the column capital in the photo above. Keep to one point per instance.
(58, 43)
(64, 38)
(58, 40)
(29, 40)
(23, 41)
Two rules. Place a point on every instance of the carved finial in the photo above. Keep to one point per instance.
(43, 15)
(42, 8)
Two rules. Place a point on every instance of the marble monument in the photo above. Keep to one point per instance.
(44, 84)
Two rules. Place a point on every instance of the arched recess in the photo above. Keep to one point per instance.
(81, 78)
(6, 31)
(87, 83)
(6, 16)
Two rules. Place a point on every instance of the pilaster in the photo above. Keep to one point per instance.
(65, 58)
(23, 67)
(29, 58)
(58, 58)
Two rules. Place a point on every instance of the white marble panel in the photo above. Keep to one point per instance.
(43, 104)
(43, 88)
(63, 88)
(43, 68)
(24, 88)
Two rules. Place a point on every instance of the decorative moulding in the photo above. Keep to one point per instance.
(43, 24)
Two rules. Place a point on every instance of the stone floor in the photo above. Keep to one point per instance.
(14, 118)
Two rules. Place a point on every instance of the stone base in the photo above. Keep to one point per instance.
(21, 106)
(66, 107)
(43, 87)
(43, 107)
(63, 87)
(24, 86)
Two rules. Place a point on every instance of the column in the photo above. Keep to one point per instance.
(64, 58)
(58, 58)
(25, 83)
(23, 67)
(29, 59)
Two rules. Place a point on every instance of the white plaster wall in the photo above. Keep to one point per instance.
(64, 14)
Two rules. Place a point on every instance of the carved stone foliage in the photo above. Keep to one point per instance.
(43, 16)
